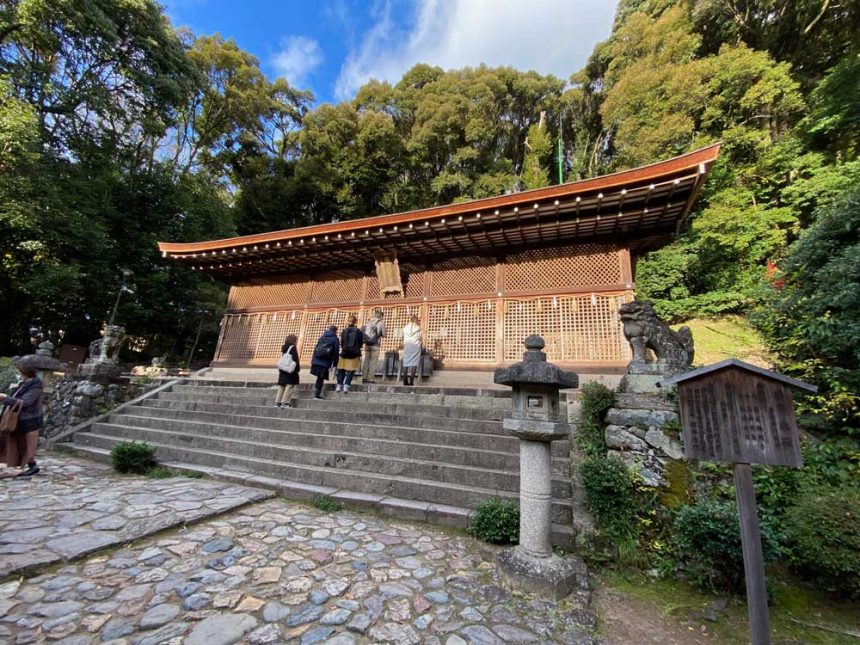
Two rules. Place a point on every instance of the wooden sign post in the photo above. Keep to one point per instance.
(735, 412)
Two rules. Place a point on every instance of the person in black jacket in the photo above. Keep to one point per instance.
(325, 356)
(287, 381)
(351, 340)
(21, 445)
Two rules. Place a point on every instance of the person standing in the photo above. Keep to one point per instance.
(288, 372)
(22, 443)
(324, 358)
(351, 341)
(374, 332)
(411, 350)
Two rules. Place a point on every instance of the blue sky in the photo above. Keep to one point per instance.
(333, 46)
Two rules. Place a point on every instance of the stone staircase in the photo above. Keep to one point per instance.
(425, 453)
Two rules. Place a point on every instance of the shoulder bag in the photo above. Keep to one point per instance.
(287, 363)
(9, 420)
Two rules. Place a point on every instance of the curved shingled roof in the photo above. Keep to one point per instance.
(640, 208)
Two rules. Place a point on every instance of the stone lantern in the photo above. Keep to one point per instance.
(531, 566)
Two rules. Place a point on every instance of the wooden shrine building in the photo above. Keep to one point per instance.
(482, 275)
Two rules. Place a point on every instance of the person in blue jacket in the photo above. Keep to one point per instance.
(22, 443)
(324, 358)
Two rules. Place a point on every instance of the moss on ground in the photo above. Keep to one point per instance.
(679, 489)
(798, 614)
(717, 339)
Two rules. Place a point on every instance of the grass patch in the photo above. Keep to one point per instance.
(797, 614)
(717, 339)
(159, 472)
(326, 504)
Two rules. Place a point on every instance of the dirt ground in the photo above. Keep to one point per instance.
(640, 611)
(624, 619)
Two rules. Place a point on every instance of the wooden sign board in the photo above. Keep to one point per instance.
(739, 413)
(736, 412)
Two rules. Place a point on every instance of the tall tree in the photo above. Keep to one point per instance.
(811, 311)
(538, 153)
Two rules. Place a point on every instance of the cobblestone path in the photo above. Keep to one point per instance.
(281, 572)
(74, 507)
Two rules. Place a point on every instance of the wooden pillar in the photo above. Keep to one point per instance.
(221, 337)
(303, 326)
(261, 318)
(753, 558)
(500, 312)
(626, 268)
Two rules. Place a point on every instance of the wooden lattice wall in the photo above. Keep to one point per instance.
(474, 311)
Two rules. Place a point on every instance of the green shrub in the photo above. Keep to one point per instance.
(8, 374)
(327, 504)
(132, 457)
(595, 400)
(159, 472)
(707, 545)
(191, 474)
(823, 535)
(610, 491)
(496, 521)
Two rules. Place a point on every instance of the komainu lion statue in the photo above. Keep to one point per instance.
(110, 343)
(644, 330)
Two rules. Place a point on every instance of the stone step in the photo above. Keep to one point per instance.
(346, 405)
(326, 457)
(373, 483)
(404, 509)
(375, 396)
(440, 378)
(471, 436)
(447, 463)
(393, 387)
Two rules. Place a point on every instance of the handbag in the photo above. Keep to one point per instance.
(286, 362)
(9, 420)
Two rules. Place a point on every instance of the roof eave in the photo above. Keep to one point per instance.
(702, 158)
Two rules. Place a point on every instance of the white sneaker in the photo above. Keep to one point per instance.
(338, 388)
(345, 388)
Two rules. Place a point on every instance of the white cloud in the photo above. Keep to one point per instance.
(548, 36)
(298, 57)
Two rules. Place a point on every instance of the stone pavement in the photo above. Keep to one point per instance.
(281, 572)
(74, 507)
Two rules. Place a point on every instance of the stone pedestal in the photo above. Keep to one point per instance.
(100, 372)
(550, 577)
(532, 566)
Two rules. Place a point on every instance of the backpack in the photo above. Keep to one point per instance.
(371, 332)
(286, 362)
(324, 350)
(351, 342)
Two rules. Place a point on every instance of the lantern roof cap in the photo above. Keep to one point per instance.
(734, 362)
(534, 369)
(39, 362)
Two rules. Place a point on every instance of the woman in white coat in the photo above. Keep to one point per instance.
(411, 350)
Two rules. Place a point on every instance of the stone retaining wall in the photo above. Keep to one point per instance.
(75, 399)
(643, 431)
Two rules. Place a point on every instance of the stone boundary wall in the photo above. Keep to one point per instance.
(75, 399)
(643, 431)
